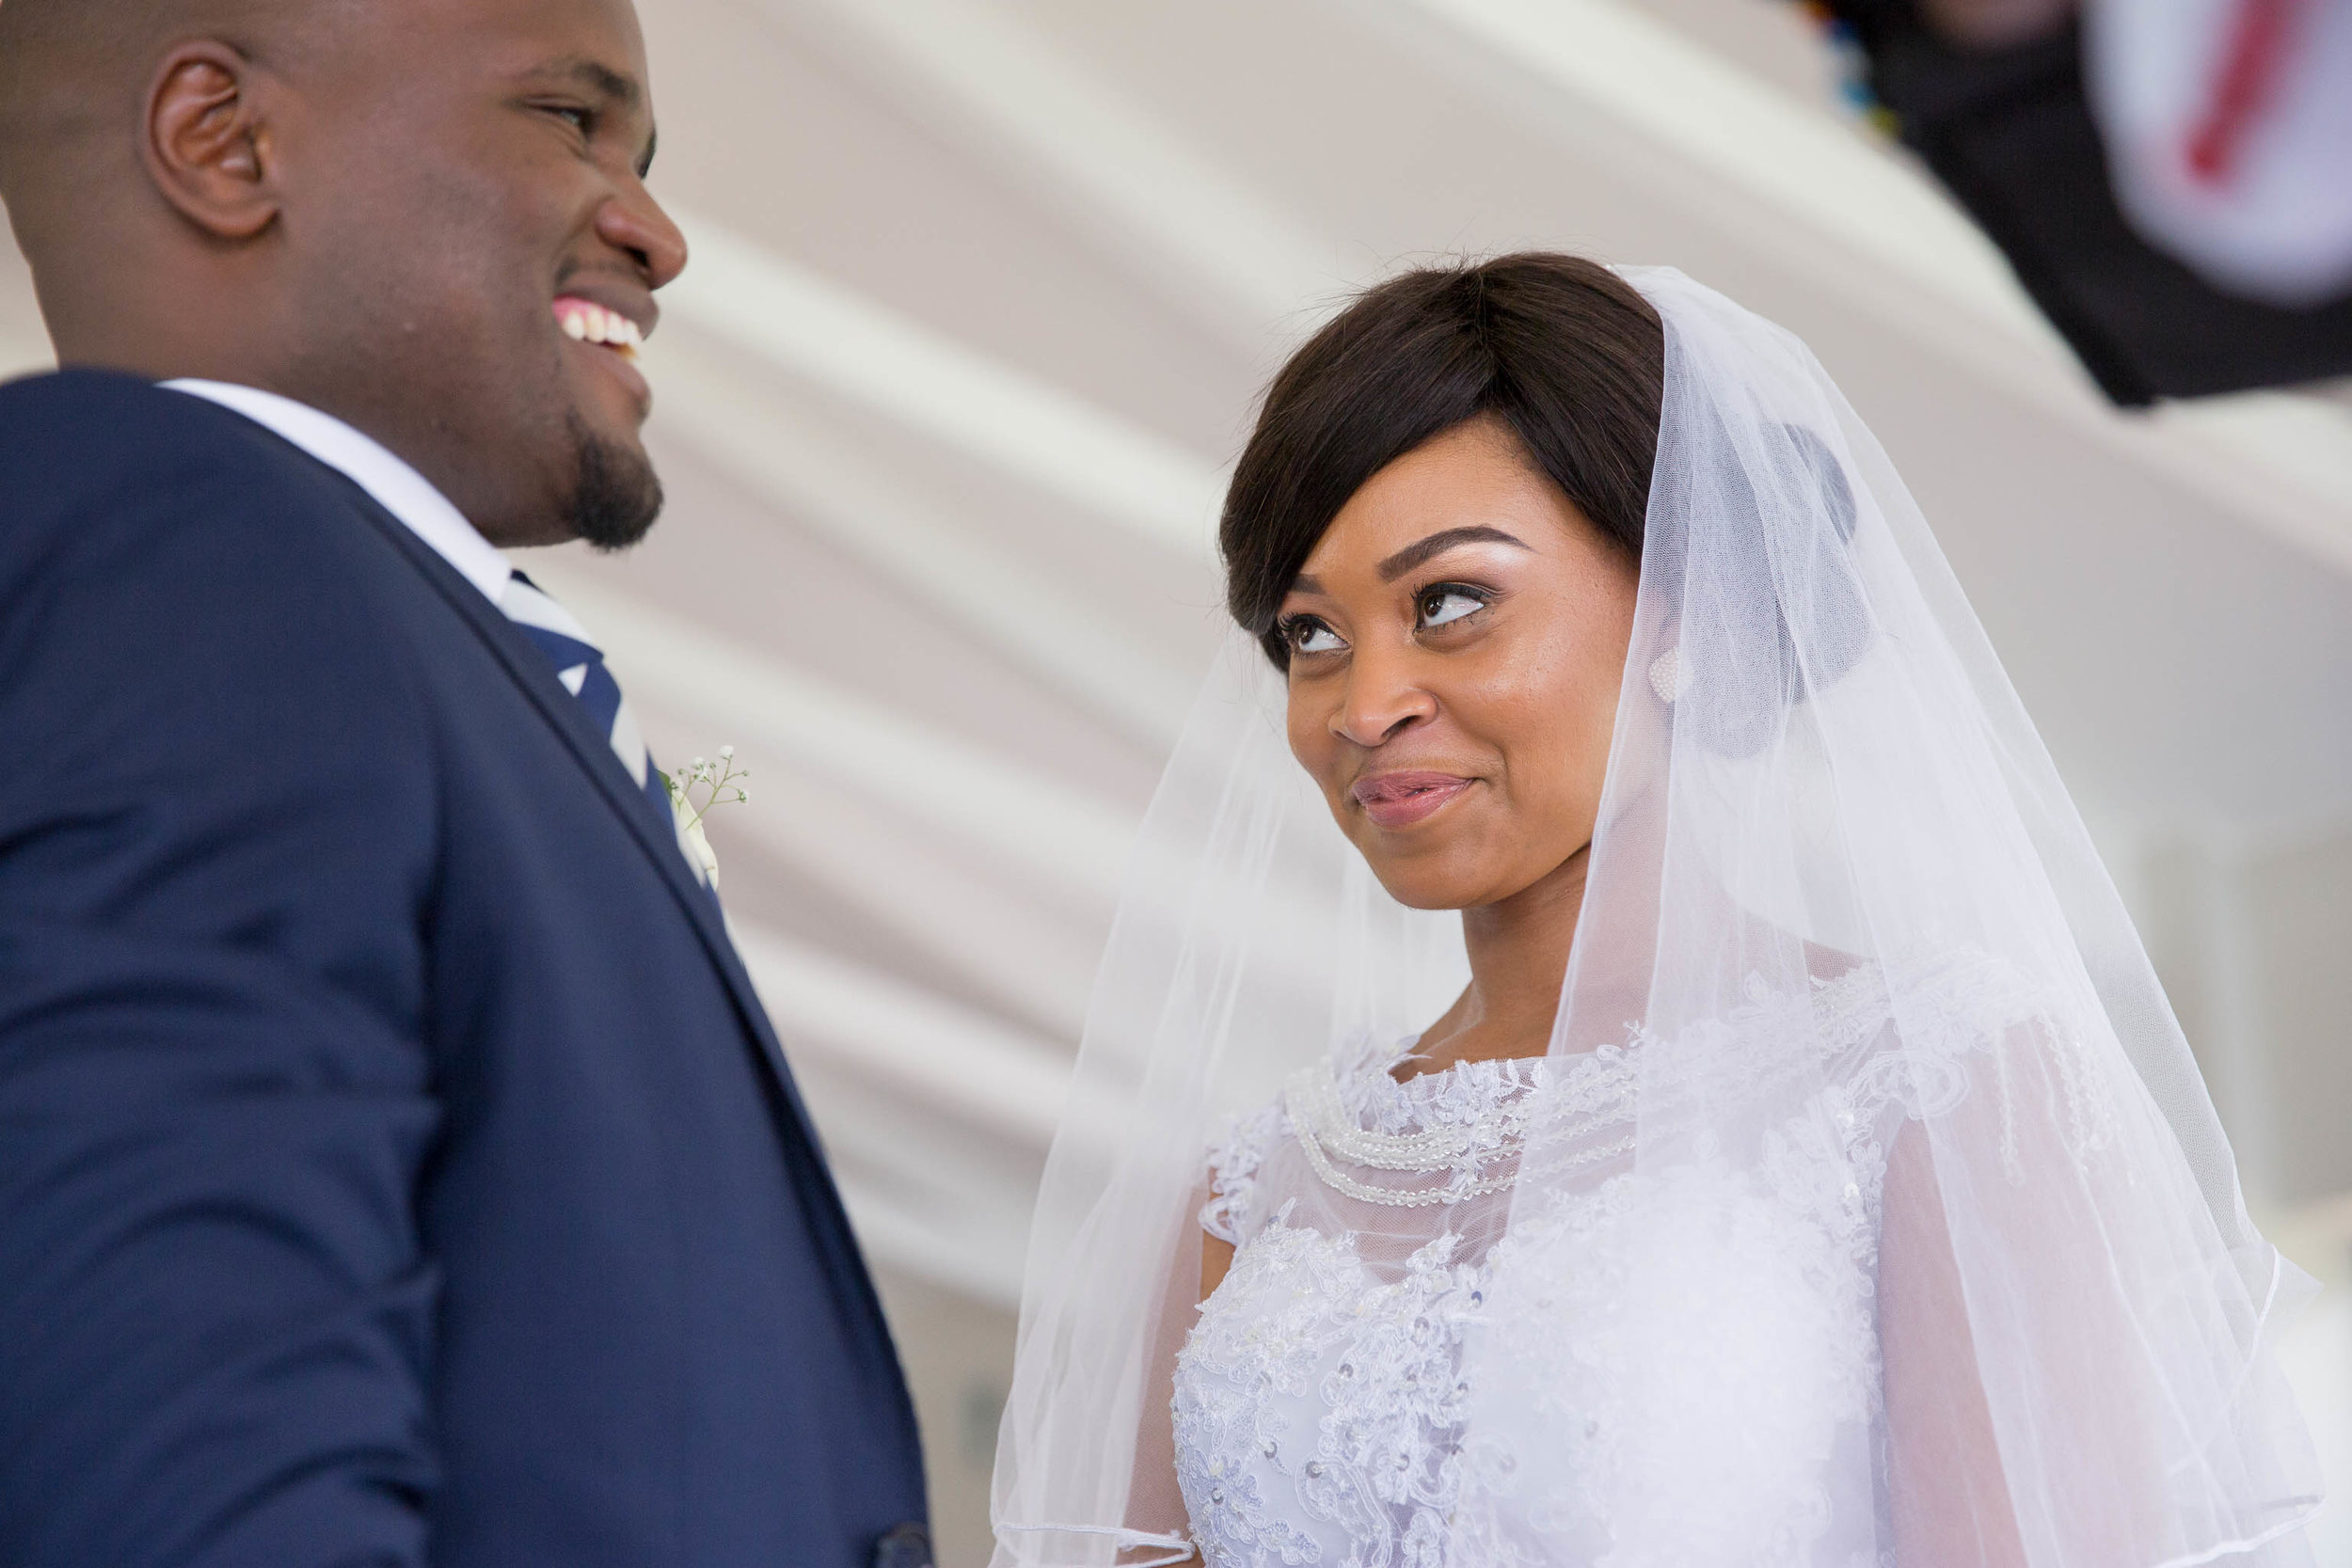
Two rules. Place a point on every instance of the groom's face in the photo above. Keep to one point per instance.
(477, 254)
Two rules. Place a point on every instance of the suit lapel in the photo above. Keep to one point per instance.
(813, 1178)
(532, 673)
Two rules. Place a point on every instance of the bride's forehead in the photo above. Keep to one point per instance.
(1479, 455)
(1466, 483)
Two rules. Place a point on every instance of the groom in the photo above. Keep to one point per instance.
(395, 1165)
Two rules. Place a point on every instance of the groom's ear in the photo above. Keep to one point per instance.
(208, 146)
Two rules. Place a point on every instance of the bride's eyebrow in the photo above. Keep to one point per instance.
(1413, 555)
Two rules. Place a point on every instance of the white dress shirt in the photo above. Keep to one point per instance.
(398, 488)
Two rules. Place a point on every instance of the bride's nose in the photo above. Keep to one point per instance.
(1383, 698)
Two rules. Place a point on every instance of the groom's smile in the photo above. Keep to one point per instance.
(609, 337)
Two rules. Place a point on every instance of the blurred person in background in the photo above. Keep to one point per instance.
(2229, 123)
(2166, 176)
(1617, 1048)
(2229, 126)
(396, 1166)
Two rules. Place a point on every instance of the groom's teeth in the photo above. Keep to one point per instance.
(584, 322)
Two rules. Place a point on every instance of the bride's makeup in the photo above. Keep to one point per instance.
(1437, 606)
(1401, 799)
(1456, 643)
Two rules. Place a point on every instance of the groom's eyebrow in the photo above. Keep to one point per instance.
(1413, 555)
(597, 77)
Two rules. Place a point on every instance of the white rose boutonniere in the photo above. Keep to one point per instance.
(721, 784)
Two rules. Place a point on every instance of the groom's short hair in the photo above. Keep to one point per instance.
(70, 70)
(50, 46)
(45, 46)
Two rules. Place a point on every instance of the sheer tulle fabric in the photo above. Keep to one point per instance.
(1869, 1207)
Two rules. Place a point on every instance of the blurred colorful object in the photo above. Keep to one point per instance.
(2228, 129)
(2229, 125)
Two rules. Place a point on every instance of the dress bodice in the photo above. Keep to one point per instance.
(1669, 1364)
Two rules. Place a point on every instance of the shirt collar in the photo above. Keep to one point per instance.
(402, 491)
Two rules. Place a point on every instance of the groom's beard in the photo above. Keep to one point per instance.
(615, 496)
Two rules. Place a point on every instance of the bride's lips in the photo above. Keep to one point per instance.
(1402, 799)
(611, 336)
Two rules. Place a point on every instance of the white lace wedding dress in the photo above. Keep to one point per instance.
(1705, 1365)
(1767, 1284)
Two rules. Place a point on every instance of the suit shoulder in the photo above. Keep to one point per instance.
(86, 406)
(111, 460)
(126, 504)
(79, 433)
(98, 471)
(161, 555)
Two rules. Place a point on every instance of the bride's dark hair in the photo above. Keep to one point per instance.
(1561, 350)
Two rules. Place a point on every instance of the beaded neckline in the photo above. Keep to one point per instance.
(1456, 1122)
(1467, 1118)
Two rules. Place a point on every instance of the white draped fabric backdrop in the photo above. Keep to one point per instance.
(983, 291)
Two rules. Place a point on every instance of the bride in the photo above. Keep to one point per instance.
(1706, 1105)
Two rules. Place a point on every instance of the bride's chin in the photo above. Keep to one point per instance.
(1419, 889)
(1432, 903)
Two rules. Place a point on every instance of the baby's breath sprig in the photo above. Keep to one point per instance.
(721, 784)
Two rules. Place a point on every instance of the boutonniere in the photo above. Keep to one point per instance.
(720, 783)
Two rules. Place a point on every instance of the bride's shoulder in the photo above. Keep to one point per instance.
(1848, 1015)
(1234, 1162)
(1958, 982)
(1944, 1004)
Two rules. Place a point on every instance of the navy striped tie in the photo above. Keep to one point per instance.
(579, 665)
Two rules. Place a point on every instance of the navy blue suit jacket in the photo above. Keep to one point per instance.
(395, 1165)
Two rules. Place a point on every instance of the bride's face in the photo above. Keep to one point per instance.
(1457, 639)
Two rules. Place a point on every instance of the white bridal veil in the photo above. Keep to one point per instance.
(1822, 786)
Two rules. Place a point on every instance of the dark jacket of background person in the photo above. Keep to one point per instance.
(395, 1165)
(2008, 130)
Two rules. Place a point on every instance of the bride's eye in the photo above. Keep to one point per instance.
(1447, 604)
(1307, 635)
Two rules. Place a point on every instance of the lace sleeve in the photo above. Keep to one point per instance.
(1234, 1174)
(1959, 1005)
